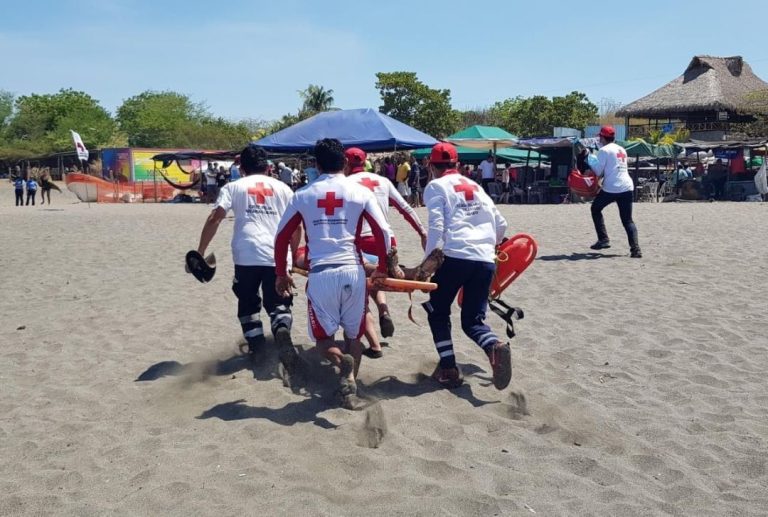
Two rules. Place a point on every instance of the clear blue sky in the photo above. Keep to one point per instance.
(248, 58)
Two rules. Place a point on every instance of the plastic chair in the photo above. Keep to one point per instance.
(495, 191)
(649, 191)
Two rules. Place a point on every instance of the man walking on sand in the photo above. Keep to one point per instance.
(617, 187)
(258, 202)
(468, 226)
(386, 195)
(332, 210)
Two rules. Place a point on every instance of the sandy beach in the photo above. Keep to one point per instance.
(639, 386)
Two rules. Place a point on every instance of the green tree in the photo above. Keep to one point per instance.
(42, 122)
(756, 104)
(539, 115)
(574, 110)
(213, 133)
(412, 102)
(316, 99)
(156, 119)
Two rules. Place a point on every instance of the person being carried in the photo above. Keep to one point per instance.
(386, 195)
(258, 201)
(617, 187)
(465, 221)
(332, 209)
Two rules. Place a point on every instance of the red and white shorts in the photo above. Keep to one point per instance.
(336, 297)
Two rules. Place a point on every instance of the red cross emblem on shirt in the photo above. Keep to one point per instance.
(330, 203)
(260, 192)
(621, 155)
(466, 188)
(369, 183)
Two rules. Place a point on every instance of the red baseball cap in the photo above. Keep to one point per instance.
(607, 131)
(444, 153)
(356, 159)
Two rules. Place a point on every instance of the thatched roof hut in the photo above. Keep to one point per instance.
(709, 84)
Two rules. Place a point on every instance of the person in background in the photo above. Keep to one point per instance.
(617, 188)
(31, 190)
(221, 178)
(18, 187)
(413, 183)
(234, 170)
(423, 178)
(487, 172)
(285, 174)
(403, 173)
(311, 172)
(388, 169)
(46, 184)
(718, 175)
(210, 182)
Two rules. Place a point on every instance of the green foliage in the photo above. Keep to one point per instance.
(539, 115)
(155, 119)
(412, 102)
(756, 104)
(171, 119)
(316, 100)
(43, 122)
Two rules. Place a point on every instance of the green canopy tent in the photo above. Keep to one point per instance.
(483, 137)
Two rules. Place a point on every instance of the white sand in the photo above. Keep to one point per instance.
(645, 380)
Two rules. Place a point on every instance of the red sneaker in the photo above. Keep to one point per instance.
(449, 378)
(500, 357)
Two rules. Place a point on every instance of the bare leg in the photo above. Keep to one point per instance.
(355, 348)
(374, 350)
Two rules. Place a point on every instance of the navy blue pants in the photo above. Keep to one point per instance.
(246, 285)
(19, 197)
(624, 201)
(475, 278)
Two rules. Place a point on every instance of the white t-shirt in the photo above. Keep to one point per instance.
(258, 202)
(286, 176)
(612, 166)
(486, 169)
(330, 209)
(386, 195)
(210, 177)
(462, 218)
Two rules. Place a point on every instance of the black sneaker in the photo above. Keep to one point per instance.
(601, 245)
(386, 325)
(373, 354)
(636, 253)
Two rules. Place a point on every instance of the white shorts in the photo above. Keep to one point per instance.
(337, 297)
(403, 189)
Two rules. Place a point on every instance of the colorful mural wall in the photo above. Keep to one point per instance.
(127, 164)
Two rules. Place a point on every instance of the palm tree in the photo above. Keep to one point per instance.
(316, 99)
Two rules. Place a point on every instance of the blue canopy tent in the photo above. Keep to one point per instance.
(364, 128)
